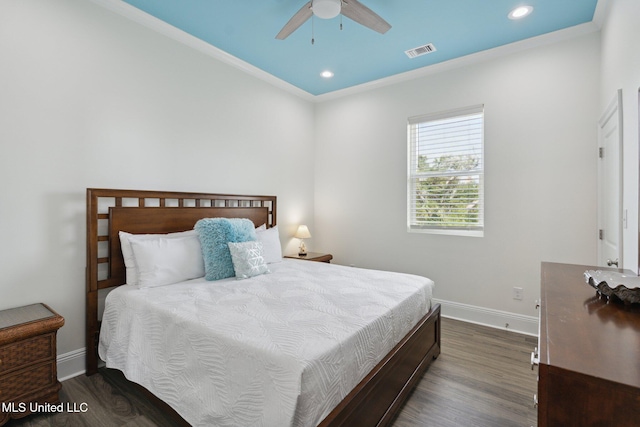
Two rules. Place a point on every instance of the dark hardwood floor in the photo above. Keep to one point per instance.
(482, 378)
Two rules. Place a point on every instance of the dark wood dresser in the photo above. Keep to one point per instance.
(28, 370)
(589, 354)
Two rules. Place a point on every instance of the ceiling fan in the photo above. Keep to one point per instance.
(327, 9)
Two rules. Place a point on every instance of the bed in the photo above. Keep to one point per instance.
(377, 387)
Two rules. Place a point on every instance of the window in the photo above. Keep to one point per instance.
(446, 172)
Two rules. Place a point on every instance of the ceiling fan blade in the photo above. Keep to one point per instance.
(295, 22)
(360, 13)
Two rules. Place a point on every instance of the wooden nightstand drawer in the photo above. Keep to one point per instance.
(24, 382)
(27, 352)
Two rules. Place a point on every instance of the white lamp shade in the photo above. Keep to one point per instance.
(326, 9)
(302, 232)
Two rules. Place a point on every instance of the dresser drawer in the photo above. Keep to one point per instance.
(26, 381)
(24, 353)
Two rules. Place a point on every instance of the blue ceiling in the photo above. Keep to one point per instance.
(246, 29)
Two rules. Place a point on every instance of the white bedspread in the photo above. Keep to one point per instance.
(281, 349)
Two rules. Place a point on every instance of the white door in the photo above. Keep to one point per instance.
(610, 185)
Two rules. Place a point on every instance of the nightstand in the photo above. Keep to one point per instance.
(312, 256)
(28, 370)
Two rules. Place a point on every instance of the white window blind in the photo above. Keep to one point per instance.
(446, 172)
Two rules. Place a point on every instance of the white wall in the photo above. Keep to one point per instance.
(540, 203)
(621, 70)
(91, 99)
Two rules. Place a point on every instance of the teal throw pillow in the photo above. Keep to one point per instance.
(214, 234)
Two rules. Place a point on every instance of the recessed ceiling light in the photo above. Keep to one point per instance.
(520, 12)
(327, 74)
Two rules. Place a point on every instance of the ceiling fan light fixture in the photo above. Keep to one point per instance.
(326, 9)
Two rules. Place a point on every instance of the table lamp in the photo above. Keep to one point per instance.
(302, 233)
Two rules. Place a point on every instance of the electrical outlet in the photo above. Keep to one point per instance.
(518, 293)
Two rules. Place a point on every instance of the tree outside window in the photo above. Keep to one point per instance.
(445, 187)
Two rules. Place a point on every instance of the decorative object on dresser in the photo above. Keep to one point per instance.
(615, 286)
(28, 370)
(302, 233)
(589, 374)
(312, 256)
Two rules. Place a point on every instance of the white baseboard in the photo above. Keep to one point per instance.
(527, 325)
(71, 364)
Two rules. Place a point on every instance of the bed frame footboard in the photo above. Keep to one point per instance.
(380, 395)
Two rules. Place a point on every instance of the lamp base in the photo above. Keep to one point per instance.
(302, 249)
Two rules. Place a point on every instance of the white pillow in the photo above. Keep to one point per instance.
(127, 252)
(270, 239)
(248, 259)
(166, 260)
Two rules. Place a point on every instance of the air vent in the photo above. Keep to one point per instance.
(421, 50)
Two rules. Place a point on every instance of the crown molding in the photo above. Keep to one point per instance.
(134, 14)
(465, 61)
(126, 10)
(602, 10)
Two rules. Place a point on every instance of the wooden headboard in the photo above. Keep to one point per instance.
(148, 212)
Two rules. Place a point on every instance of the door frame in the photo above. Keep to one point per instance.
(614, 107)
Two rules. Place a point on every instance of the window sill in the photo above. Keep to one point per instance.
(467, 233)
